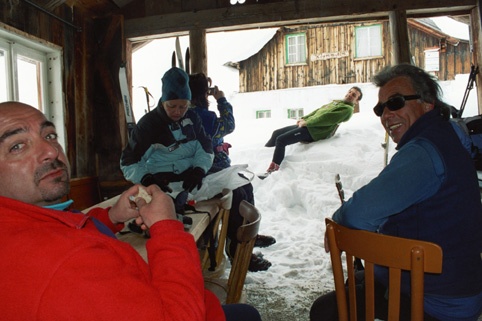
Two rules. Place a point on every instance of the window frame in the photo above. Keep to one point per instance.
(16, 43)
(300, 60)
(264, 112)
(358, 41)
(298, 113)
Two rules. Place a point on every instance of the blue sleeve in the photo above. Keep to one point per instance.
(414, 174)
(225, 123)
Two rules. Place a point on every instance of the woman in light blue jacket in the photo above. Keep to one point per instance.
(169, 143)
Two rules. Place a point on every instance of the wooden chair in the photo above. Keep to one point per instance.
(231, 290)
(85, 191)
(376, 249)
(219, 208)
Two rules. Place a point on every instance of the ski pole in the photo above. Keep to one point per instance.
(339, 188)
(147, 97)
(385, 147)
(357, 263)
(473, 72)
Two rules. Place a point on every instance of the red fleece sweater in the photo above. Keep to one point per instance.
(56, 265)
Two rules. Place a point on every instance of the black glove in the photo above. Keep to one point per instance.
(157, 179)
(147, 180)
(193, 178)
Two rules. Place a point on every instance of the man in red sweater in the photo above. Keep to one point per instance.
(63, 265)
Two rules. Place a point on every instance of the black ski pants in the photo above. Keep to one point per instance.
(244, 192)
(286, 136)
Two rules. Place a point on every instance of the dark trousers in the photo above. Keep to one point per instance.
(240, 312)
(324, 308)
(286, 136)
(244, 192)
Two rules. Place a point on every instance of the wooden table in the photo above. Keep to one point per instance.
(200, 221)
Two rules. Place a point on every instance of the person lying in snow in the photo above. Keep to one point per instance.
(322, 123)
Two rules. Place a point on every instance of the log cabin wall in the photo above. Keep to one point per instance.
(267, 69)
(455, 55)
(95, 125)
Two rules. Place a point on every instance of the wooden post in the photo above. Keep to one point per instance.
(399, 37)
(198, 51)
(476, 41)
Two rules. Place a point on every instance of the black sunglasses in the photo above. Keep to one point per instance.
(394, 103)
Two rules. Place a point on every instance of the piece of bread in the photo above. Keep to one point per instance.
(142, 193)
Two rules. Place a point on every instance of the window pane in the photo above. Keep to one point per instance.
(291, 50)
(368, 41)
(375, 41)
(295, 113)
(301, 49)
(361, 42)
(263, 114)
(296, 49)
(29, 81)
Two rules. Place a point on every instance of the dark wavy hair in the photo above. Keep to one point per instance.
(423, 83)
(199, 85)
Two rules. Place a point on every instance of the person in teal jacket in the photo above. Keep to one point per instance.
(319, 124)
(169, 143)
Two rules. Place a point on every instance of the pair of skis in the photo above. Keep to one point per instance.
(177, 58)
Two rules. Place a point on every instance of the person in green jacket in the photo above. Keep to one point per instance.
(320, 124)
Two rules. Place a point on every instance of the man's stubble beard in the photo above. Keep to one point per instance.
(61, 184)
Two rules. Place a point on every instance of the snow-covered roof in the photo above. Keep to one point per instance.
(248, 43)
(254, 40)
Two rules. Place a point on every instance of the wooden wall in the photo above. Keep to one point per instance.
(91, 59)
(456, 59)
(267, 70)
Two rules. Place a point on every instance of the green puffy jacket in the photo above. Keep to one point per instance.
(324, 121)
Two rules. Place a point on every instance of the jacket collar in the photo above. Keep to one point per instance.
(17, 210)
(420, 125)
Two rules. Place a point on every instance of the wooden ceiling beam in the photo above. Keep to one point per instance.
(284, 13)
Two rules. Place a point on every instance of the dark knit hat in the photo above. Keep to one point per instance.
(175, 85)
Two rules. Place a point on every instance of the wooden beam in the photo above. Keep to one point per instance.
(198, 50)
(399, 37)
(476, 39)
(284, 13)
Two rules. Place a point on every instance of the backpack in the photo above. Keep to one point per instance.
(469, 131)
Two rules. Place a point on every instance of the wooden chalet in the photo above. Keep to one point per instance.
(347, 52)
(83, 43)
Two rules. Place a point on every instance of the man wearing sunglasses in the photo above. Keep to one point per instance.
(428, 191)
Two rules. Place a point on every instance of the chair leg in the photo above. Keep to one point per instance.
(222, 234)
(206, 261)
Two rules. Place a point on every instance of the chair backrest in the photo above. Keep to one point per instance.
(246, 236)
(85, 191)
(395, 253)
